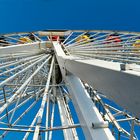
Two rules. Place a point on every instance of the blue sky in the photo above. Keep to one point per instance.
(29, 15)
(33, 15)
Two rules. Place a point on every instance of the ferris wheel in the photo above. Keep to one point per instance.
(70, 84)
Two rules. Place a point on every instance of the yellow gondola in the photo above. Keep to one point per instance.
(23, 40)
(84, 39)
(137, 45)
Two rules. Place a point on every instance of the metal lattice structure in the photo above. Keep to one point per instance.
(46, 75)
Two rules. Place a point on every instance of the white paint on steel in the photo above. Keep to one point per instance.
(86, 110)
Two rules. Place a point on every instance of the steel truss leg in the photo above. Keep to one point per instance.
(68, 134)
(87, 112)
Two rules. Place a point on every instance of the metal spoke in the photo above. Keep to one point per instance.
(65, 81)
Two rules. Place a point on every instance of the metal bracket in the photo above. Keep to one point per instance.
(103, 124)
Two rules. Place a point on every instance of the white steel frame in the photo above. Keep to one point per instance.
(34, 77)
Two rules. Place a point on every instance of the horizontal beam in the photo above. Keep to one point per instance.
(106, 77)
(67, 32)
(42, 130)
(53, 33)
(31, 48)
